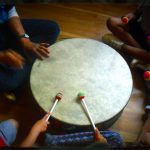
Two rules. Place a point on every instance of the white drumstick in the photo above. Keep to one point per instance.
(98, 136)
(58, 97)
(81, 97)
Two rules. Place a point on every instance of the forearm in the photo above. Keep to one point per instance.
(37, 128)
(15, 26)
(138, 53)
(30, 139)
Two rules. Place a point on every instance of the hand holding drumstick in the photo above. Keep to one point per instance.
(40, 126)
(97, 135)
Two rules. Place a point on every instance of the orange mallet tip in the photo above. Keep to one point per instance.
(125, 19)
(146, 75)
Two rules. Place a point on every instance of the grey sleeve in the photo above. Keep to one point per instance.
(12, 12)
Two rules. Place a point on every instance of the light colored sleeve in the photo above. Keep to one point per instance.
(12, 12)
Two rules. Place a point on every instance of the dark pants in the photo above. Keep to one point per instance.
(138, 34)
(39, 31)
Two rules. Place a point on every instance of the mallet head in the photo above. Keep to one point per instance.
(81, 95)
(125, 19)
(58, 96)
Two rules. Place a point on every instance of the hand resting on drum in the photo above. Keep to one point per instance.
(39, 49)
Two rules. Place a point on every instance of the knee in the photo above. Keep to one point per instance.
(14, 123)
(53, 27)
(8, 86)
(12, 85)
(111, 24)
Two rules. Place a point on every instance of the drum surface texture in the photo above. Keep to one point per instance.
(82, 65)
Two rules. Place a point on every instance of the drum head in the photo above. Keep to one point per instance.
(82, 65)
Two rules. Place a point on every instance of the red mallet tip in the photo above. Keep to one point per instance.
(146, 75)
(58, 96)
(81, 96)
(125, 19)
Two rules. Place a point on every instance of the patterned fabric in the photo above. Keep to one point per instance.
(82, 138)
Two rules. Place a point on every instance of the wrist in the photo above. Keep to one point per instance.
(26, 36)
(24, 41)
(23, 38)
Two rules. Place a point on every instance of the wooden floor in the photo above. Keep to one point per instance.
(78, 20)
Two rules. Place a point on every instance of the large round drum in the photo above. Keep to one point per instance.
(82, 65)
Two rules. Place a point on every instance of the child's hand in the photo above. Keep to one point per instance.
(99, 137)
(38, 127)
(41, 125)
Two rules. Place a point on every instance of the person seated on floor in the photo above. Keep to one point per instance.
(8, 132)
(21, 41)
(133, 39)
(105, 138)
(133, 34)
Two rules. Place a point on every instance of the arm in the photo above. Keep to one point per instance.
(40, 49)
(138, 53)
(11, 58)
(38, 127)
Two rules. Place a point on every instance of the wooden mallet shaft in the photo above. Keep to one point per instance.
(58, 97)
(81, 97)
(98, 136)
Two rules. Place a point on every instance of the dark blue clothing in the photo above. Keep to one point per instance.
(4, 9)
(39, 31)
(82, 139)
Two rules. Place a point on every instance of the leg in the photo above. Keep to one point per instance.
(82, 138)
(135, 52)
(133, 40)
(120, 30)
(8, 131)
(39, 31)
(11, 79)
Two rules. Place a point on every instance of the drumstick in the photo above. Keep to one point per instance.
(81, 97)
(98, 136)
(58, 97)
